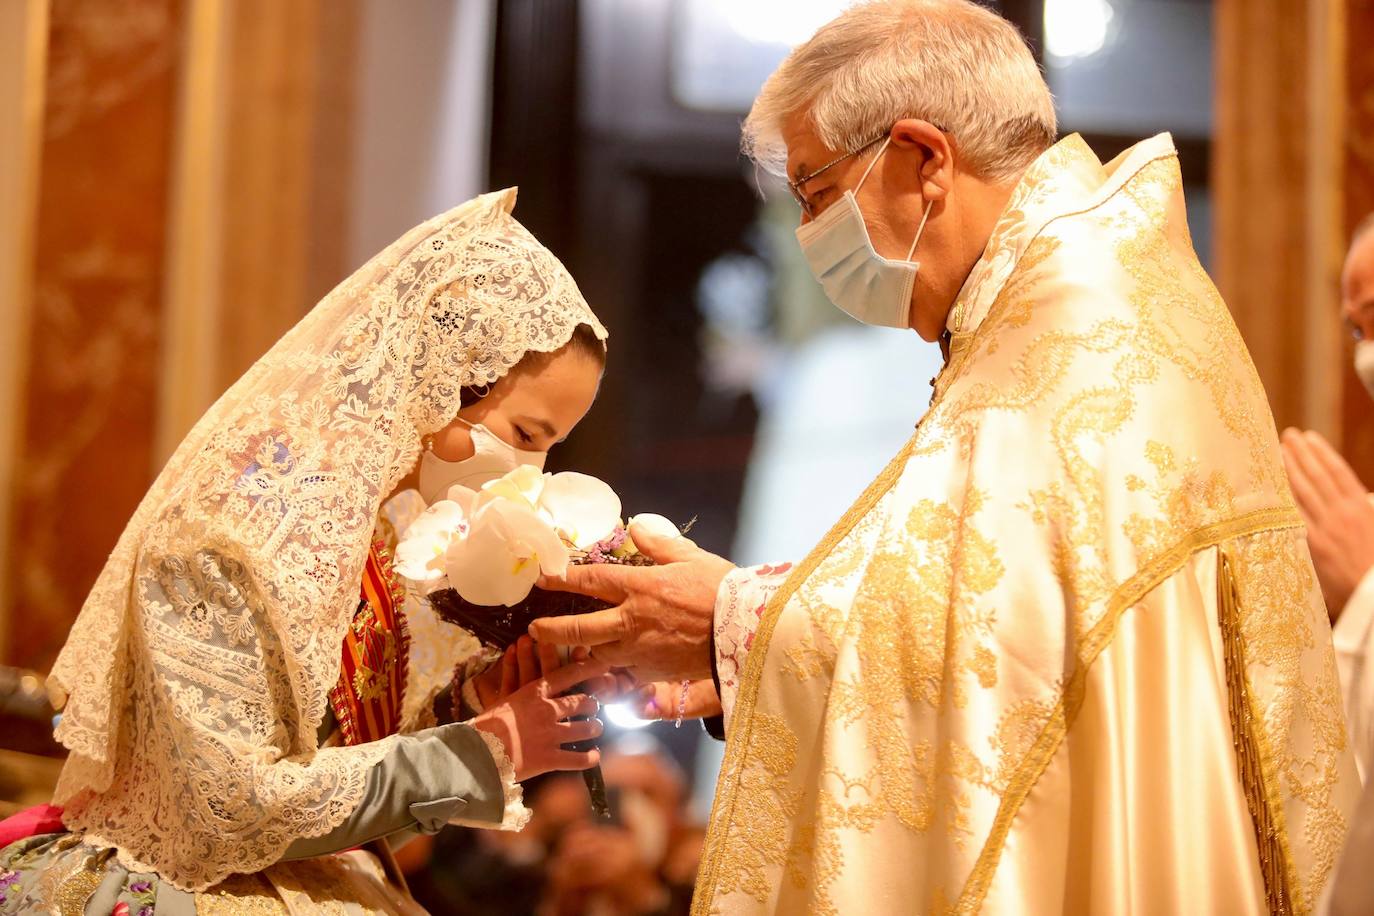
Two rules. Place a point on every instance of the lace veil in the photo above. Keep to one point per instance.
(198, 670)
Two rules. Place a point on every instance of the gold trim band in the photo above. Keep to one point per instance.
(1274, 859)
(1047, 744)
(1127, 595)
(750, 678)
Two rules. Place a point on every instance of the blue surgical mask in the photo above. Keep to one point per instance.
(874, 289)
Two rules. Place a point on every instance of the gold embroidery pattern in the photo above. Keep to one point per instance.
(369, 682)
(742, 746)
(1062, 715)
(240, 894)
(76, 888)
(1154, 442)
(1299, 725)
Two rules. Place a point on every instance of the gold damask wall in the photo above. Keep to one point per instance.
(189, 208)
(1357, 153)
(1293, 172)
(89, 399)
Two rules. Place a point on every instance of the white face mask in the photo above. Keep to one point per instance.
(492, 458)
(866, 285)
(1364, 364)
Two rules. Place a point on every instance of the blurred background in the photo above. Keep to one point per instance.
(180, 180)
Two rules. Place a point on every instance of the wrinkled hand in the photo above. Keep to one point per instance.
(530, 723)
(660, 628)
(661, 700)
(1336, 507)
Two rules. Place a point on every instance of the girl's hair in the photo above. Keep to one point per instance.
(583, 341)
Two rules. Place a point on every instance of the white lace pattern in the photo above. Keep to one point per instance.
(516, 815)
(198, 670)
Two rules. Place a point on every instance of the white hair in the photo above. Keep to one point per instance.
(950, 62)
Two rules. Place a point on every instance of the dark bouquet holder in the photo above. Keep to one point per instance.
(499, 627)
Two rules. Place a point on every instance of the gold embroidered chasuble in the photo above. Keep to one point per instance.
(1068, 652)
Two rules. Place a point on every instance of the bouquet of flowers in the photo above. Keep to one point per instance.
(478, 555)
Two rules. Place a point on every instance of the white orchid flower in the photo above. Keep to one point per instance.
(652, 523)
(523, 484)
(507, 547)
(420, 553)
(582, 508)
(656, 525)
(466, 497)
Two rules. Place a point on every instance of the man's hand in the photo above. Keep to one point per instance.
(1336, 507)
(660, 628)
(663, 699)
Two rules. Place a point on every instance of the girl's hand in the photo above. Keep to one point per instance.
(524, 662)
(530, 722)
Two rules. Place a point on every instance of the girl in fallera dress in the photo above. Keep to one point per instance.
(252, 700)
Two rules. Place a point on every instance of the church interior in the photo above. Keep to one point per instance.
(181, 180)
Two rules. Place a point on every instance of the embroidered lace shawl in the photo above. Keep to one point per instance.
(200, 666)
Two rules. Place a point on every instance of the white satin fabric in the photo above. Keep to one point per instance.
(1068, 653)
(1353, 636)
(1140, 811)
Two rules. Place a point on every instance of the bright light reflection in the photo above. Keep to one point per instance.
(621, 716)
(783, 22)
(1076, 28)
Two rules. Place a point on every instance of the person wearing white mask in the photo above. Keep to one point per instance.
(513, 421)
(1063, 655)
(1339, 514)
(1357, 299)
(249, 714)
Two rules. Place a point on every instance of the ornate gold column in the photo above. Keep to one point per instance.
(178, 198)
(1292, 90)
(1357, 151)
(93, 340)
(264, 160)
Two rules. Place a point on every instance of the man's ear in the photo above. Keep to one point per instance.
(935, 151)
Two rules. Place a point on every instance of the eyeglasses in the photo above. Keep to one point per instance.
(1355, 319)
(796, 186)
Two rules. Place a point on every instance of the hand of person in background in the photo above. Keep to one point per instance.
(660, 628)
(1337, 509)
(601, 865)
(664, 700)
(530, 722)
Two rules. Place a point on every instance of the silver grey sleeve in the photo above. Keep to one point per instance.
(428, 778)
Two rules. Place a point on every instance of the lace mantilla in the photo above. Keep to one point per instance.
(199, 668)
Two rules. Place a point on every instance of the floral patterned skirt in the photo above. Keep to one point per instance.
(58, 873)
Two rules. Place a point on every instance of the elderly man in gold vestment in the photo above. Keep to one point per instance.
(1067, 654)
